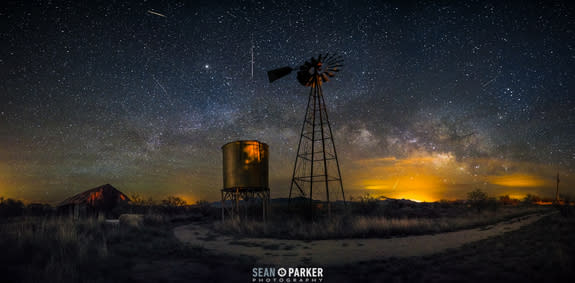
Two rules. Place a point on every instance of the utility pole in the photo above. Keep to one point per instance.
(557, 191)
(252, 49)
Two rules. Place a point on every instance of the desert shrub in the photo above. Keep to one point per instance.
(445, 203)
(507, 200)
(140, 205)
(566, 210)
(173, 205)
(137, 199)
(491, 204)
(567, 198)
(11, 207)
(204, 207)
(38, 209)
(155, 219)
(173, 201)
(478, 199)
(530, 199)
(366, 204)
(564, 206)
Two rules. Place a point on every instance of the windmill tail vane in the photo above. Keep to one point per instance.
(279, 73)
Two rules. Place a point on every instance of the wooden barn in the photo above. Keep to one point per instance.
(101, 200)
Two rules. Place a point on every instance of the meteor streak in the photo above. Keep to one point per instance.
(156, 13)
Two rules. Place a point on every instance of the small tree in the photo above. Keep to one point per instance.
(477, 199)
(505, 200)
(140, 205)
(137, 199)
(173, 204)
(174, 201)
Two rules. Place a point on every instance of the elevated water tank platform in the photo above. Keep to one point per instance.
(246, 179)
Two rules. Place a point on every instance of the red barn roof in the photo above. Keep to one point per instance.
(104, 194)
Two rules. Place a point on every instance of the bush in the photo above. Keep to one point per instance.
(530, 199)
(173, 205)
(11, 208)
(366, 204)
(564, 206)
(507, 200)
(478, 199)
(204, 207)
(38, 209)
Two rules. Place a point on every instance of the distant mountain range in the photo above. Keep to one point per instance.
(303, 199)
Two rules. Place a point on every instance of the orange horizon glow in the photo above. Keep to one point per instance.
(188, 199)
(517, 180)
(429, 177)
(420, 176)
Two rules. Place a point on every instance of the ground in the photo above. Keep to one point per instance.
(540, 252)
(533, 249)
(285, 252)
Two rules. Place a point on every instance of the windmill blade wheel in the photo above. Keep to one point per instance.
(319, 70)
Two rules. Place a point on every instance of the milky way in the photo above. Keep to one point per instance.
(143, 95)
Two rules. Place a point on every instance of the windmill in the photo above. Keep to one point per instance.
(316, 166)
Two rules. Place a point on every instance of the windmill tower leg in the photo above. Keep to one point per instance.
(296, 164)
(322, 109)
(338, 178)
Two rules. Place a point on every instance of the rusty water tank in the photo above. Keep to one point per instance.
(245, 165)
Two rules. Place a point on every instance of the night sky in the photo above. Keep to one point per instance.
(435, 99)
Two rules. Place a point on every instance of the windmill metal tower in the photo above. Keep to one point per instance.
(316, 172)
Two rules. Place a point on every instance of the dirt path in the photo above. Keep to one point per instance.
(338, 252)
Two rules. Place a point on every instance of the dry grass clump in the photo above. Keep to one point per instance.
(52, 249)
(350, 226)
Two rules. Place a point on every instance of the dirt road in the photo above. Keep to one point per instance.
(339, 252)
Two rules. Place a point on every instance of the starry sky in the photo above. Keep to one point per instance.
(436, 98)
